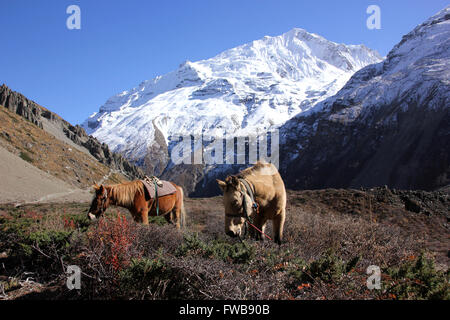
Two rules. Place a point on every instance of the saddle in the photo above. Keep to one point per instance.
(157, 188)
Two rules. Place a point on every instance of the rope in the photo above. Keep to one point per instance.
(254, 206)
(156, 198)
(259, 230)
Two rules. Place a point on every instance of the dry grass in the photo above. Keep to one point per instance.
(331, 237)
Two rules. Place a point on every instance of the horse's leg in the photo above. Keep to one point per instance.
(278, 225)
(140, 214)
(142, 209)
(168, 217)
(175, 212)
(144, 214)
(260, 223)
(177, 217)
(178, 209)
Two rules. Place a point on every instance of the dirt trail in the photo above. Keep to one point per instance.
(21, 182)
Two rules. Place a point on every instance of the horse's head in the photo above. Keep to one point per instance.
(234, 200)
(99, 203)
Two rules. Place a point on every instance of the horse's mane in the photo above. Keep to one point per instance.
(123, 193)
(260, 167)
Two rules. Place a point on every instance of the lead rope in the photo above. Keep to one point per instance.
(259, 230)
(156, 198)
(247, 217)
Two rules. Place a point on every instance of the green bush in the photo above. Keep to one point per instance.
(153, 278)
(328, 268)
(25, 235)
(48, 242)
(81, 221)
(238, 252)
(418, 279)
(158, 220)
(140, 274)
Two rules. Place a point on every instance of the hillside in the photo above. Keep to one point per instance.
(36, 164)
(24, 183)
(75, 136)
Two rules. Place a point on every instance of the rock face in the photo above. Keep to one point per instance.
(17, 103)
(389, 125)
(102, 152)
(35, 113)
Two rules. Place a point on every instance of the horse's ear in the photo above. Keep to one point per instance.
(96, 187)
(103, 190)
(234, 181)
(222, 184)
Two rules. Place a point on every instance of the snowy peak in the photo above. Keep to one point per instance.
(185, 75)
(248, 89)
(346, 57)
(295, 55)
(431, 28)
(413, 70)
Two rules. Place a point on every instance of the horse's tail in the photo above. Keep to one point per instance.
(182, 210)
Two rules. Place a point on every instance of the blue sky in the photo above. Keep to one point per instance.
(122, 43)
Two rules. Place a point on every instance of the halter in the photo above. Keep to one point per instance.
(103, 200)
(244, 207)
(255, 206)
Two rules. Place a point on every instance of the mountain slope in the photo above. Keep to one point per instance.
(74, 136)
(22, 182)
(69, 167)
(389, 125)
(247, 89)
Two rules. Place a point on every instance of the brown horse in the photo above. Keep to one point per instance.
(132, 196)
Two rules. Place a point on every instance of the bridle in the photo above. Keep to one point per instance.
(244, 207)
(103, 201)
(255, 206)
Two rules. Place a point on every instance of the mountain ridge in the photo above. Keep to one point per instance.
(381, 126)
(387, 126)
(250, 88)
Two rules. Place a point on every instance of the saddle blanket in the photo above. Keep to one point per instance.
(164, 190)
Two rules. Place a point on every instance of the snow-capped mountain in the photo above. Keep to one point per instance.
(248, 89)
(389, 125)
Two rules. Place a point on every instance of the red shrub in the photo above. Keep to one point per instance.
(69, 224)
(113, 239)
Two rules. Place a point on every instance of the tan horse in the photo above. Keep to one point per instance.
(255, 195)
(131, 195)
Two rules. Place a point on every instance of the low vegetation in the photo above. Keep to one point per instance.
(325, 255)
